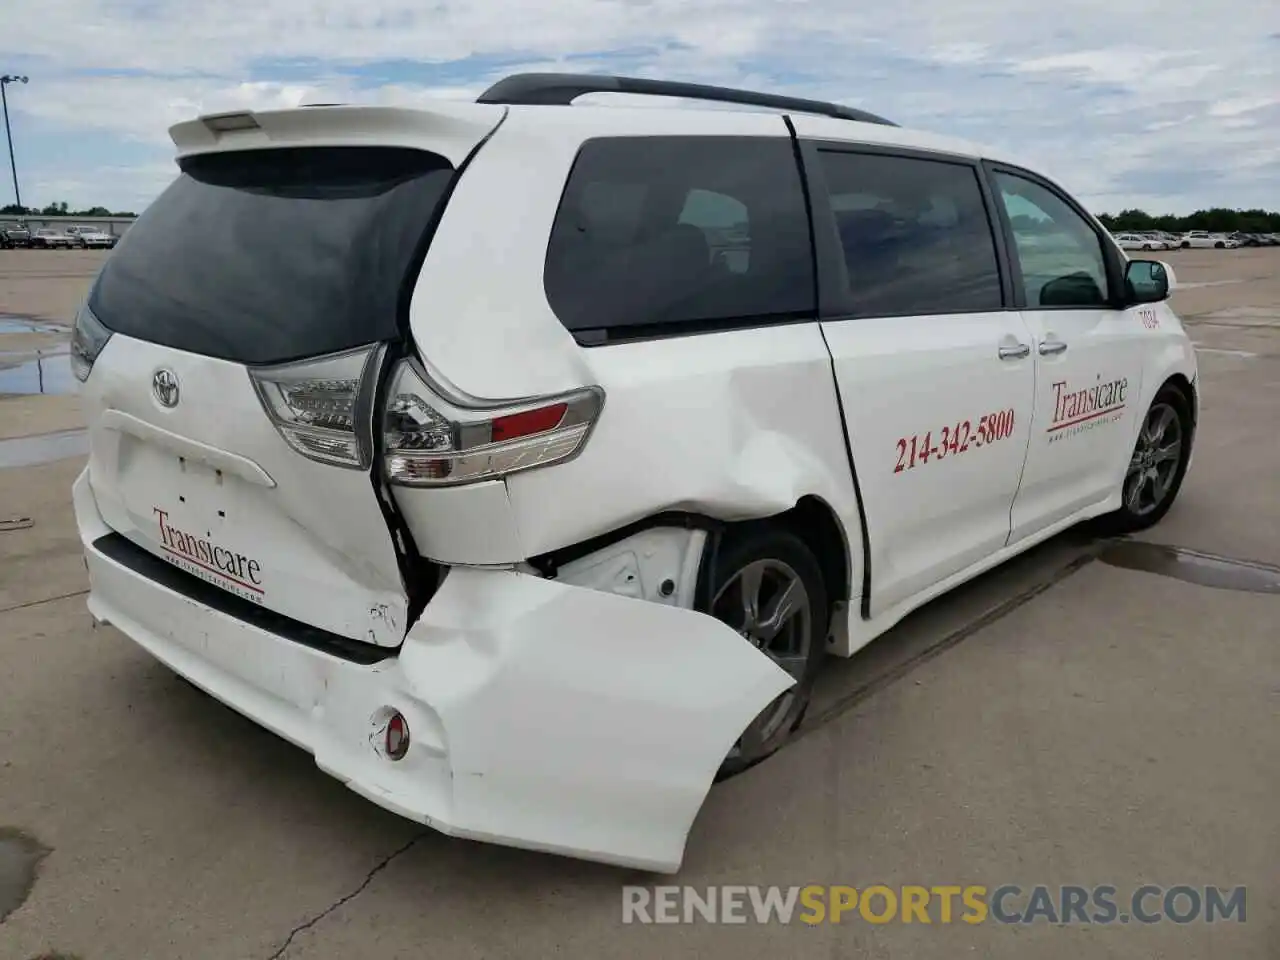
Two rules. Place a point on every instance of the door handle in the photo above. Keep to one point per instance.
(1014, 351)
(1052, 347)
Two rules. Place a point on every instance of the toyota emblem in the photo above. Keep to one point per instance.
(165, 386)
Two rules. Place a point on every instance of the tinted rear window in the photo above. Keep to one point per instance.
(271, 255)
(675, 232)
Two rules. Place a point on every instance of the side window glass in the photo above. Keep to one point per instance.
(655, 231)
(612, 209)
(1059, 254)
(724, 222)
(916, 234)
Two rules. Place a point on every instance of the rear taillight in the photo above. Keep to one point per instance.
(88, 338)
(431, 442)
(324, 408)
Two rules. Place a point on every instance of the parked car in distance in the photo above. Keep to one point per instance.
(49, 239)
(87, 237)
(1256, 239)
(1203, 239)
(13, 235)
(1136, 241)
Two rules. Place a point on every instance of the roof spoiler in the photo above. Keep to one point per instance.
(561, 89)
(450, 128)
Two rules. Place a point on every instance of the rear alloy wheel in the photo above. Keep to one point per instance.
(769, 588)
(1158, 464)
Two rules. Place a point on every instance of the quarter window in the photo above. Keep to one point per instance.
(656, 232)
(916, 235)
(1059, 253)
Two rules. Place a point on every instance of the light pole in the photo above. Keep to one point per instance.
(5, 80)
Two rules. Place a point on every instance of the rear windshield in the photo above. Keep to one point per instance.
(271, 255)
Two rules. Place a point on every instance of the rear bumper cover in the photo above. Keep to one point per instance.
(542, 715)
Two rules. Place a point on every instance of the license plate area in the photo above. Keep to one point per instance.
(197, 517)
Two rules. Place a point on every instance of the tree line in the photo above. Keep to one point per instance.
(1215, 220)
(61, 209)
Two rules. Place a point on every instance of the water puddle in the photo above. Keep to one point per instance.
(43, 448)
(20, 855)
(1190, 566)
(11, 323)
(48, 372)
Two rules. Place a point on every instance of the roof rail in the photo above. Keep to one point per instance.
(561, 89)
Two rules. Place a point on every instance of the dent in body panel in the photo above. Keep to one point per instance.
(736, 426)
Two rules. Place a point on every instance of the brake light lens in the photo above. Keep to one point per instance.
(88, 338)
(429, 441)
(323, 408)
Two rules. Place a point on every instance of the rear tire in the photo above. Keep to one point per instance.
(1157, 466)
(767, 562)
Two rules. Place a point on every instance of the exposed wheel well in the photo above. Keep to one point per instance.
(811, 519)
(816, 524)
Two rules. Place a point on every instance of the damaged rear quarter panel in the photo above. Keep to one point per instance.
(736, 425)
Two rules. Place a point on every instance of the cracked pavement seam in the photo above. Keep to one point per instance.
(368, 878)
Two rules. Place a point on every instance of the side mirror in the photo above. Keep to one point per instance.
(1072, 290)
(1147, 281)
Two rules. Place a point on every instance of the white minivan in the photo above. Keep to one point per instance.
(522, 461)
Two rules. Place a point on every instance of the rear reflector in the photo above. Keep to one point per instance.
(397, 737)
(430, 442)
(516, 425)
(389, 733)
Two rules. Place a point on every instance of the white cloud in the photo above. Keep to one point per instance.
(1242, 105)
(1171, 101)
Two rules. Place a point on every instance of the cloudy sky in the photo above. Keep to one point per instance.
(1169, 105)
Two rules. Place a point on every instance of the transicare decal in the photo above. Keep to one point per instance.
(1077, 411)
(210, 561)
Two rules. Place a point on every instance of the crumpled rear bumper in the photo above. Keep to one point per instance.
(542, 715)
